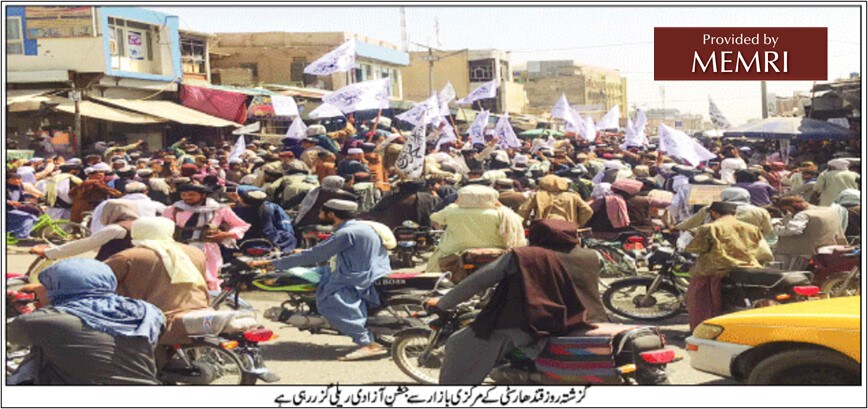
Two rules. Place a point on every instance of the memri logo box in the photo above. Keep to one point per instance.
(740, 53)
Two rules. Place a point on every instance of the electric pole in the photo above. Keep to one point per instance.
(431, 58)
(765, 99)
(404, 40)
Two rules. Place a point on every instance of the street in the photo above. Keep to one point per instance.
(304, 358)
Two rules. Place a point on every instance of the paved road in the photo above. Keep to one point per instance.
(303, 358)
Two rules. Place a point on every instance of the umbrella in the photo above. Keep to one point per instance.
(789, 128)
(539, 132)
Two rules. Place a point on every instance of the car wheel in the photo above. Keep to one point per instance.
(805, 366)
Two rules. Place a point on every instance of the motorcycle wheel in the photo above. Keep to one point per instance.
(406, 349)
(228, 367)
(833, 285)
(404, 308)
(623, 298)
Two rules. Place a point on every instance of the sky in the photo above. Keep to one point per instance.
(602, 36)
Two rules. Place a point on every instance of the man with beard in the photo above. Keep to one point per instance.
(203, 223)
(346, 289)
(93, 191)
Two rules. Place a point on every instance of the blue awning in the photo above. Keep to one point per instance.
(378, 52)
(790, 128)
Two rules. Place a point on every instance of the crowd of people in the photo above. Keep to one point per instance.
(163, 223)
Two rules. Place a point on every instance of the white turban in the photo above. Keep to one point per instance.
(156, 233)
(839, 164)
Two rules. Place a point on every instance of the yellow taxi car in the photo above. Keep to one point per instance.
(812, 342)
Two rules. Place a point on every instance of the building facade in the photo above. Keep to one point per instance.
(245, 59)
(545, 81)
(466, 70)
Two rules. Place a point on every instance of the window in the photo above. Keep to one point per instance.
(193, 56)
(481, 70)
(367, 72)
(130, 39)
(14, 37)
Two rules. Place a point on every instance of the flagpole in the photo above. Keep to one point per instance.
(376, 123)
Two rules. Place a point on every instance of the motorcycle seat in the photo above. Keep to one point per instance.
(768, 276)
(603, 329)
(211, 322)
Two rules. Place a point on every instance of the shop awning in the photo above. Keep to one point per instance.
(26, 100)
(87, 108)
(169, 111)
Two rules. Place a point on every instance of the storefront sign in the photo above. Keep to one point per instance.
(59, 22)
(134, 45)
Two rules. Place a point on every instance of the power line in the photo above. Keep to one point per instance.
(581, 48)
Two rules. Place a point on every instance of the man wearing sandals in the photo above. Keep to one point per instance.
(358, 257)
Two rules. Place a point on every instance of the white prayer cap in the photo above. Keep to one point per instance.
(386, 122)
(145, 172)
(235, 160)
(213, 161)
(613, 164)
(74, 161)
(520, 160)
(501, 156)
(135, 187)
(355, 151)
(314, 130)
(342, 205)
(101, 167)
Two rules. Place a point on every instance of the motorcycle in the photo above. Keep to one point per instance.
(413, 241)
(663, 295)
(311, 235)
(401, 294)
(847, 283)
(621, 354)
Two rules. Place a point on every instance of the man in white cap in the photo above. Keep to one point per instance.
(353, 163)
(357, 258)
(93, 191)
(136, 192)
(835, 180)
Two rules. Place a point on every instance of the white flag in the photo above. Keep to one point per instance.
(588, 130)
(411, 160)
(563, 110)
(716, 116)
(284, 106)
(239, 148)
(477, 128)
(340, 59)
(251, 128)
(298, 130)
(428, 109)
(676, 143)
(611, 120)
(325, 111)
(448, 134)
(635, 134)
(361, 96)
(446, 95)
(505, 134)
(487, 90)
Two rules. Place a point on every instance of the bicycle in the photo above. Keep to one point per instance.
(57, 232)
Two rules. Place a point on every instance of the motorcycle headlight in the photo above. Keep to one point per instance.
(707, 331)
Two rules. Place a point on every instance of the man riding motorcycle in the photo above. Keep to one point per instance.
(536, 298)
(346, 291)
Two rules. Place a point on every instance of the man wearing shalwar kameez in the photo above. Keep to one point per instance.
(214, 223)
(357, 257)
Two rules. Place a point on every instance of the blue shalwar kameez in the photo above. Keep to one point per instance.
(346, 291)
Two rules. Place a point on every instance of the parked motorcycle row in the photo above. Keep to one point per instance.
(650, 283)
